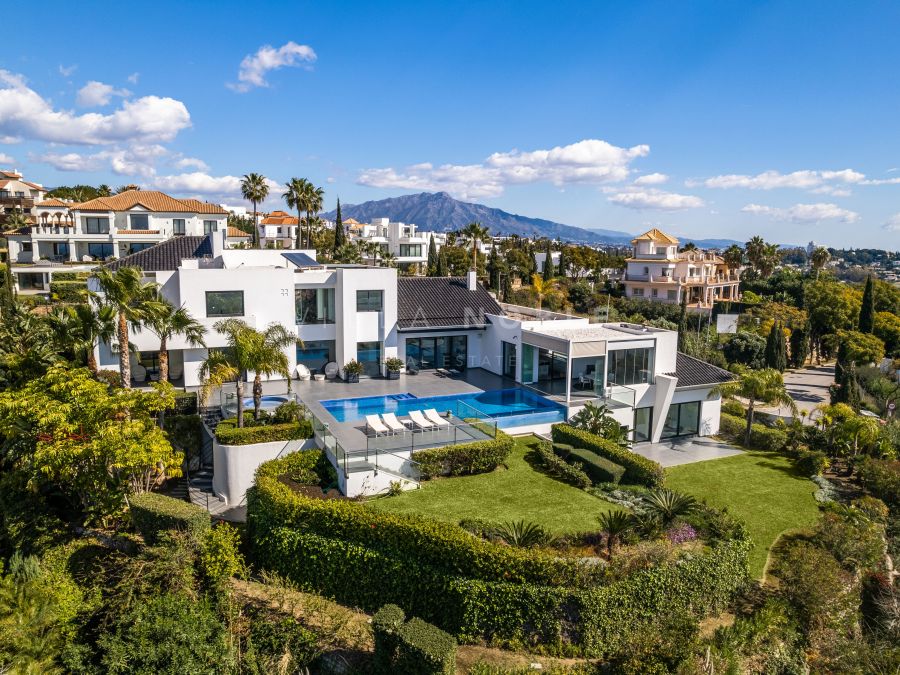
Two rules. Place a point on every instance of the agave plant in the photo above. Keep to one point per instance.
(614, 525)
(522, 534)
(667, 505)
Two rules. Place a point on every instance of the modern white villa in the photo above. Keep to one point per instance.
(659, 273)
(403, 240)
(466, 355)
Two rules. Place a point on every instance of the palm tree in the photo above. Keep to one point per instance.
(474, 232)
(388, 260)
(819, 258)
(667, 505)
(78, 328)
(103, 190)
(613, 525)
(733, 256)
(247, 350)
(542, 287)
(168, 322)
(128, 187)
(14, 221)
(295, 197)
(314, 198)
(254, 189)
(765, 386)
(133, 300)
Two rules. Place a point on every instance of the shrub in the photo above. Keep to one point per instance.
(598, 469)
(561, 469)
(287, 412)
(637, 469)
(185, 403)
(220, 556)
(153, 513)
(279, 644)
(228, 433)
(185, 433)
(731, 426)
(732, 407)
(522, 534)
(385, 624)
(464, 459)
(424, 649)
(881, 478)
(68, 291)
(811, 462)
(766, 438)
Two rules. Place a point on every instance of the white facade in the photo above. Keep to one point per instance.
(403, 240)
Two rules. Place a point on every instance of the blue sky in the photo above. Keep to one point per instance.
(707, 119)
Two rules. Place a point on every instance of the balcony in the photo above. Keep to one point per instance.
(17, 202)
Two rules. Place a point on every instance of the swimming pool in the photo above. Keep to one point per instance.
(510, 407)
(267, 403)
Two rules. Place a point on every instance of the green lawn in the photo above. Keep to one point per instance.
(760, 488)
(517, 493)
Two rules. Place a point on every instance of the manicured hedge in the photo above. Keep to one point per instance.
(761, 436)
(599, 469)
(185, 403)
(152, 513)
(638, 469)
(464, 459)
(424, 649)
(732, 407)
(732, 427)
(385, 624)
(560, 468)
(811, 462)
(71, 276)
(185, 432)
(68, 291)
(227, 433)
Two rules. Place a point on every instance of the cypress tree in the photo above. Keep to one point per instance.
(776, 351)
(682, 321)
(563, 267)
(867, 311)
(850, 387)
(548, 263)
(841, 363)
(340, 237)
(432, 257)
(507, 287)
(440, 269)
(493, 269)
(532, 263)
(7, 288)
(799, 346)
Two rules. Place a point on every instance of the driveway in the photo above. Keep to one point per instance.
(685, 450)
(808, 387)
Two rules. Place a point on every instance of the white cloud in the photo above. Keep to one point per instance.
(651, 179)
(191, 163)
(804, 213)
(201, 183)
(657, 200)
(587, 161)
(770, 180)
(24, 114)
(96, 93)
(6, 159)
(66, 71)
(254, 67)
(133, 78)
(893, 223)
(137, 160)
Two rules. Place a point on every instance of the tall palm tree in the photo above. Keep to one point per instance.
(474, 232)
(819, 259)
(77, 329)
(247, 350)
(103, 190)
(733, 256)
(313, 201)
(254, 189)
(133, 300)
(167, 322)
(614, 525)
(763, 386)
(295, 197)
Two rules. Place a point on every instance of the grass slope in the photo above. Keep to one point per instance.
(517, 493)
(761, 488)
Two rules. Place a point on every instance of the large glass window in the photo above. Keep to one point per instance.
(551, 372)
(369, 355)
(178, 226)
(527, 364)
(410, 250)
(509, 360)
(134, 248)
(683, 419)
(314, 305)
(369, 301)
(96, 225)
(209, 226)
(643, 423)
(630, 366)
(140, 221)
(224, 303)
(315, 354)
(448, 351)
(31, 281)
(100, 251)
(60, 249)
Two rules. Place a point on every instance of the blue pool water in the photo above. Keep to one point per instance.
(510, 407)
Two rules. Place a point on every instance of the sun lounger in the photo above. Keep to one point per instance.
(374, 423)
(419, 420)
(393, 423)
(443, 372)
(433, 415)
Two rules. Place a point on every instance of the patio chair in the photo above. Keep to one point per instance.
(302, 372)
(374, 423)
(412, 368)
(585, 381)
(139, 373)
(434, 416)
(443, 372)
(419, 420)
(393, 423)
(331, 370)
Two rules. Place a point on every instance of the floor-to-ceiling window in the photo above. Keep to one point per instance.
(369, 355)
(527, 363)
(551, 371)
(683, 419)
(442, 351)
(630, 366)
(509, 360)
(643, 424)
(314, 305)
(314, 354)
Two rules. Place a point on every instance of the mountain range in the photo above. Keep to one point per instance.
(438, 211)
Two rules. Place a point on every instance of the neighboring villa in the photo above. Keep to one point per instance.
(278, 230)
(17, 194)
(658, 272)
(553, 363)
(403, 240)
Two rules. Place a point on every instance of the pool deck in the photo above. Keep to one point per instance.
(352, 435)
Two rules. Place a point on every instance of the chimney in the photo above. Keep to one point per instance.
(473, 280)
(217, 239)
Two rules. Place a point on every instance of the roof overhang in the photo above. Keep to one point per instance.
(573, 348)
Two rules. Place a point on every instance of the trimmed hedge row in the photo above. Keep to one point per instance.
(68, 291)
(465, 459)
(152, 513)
(561, 469)
(638, 469)
(733, 407)
(599, 469)
(761, 436)
(413, 648)
(228, 433)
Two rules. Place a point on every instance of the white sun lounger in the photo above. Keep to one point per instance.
(419, 420)
(373, 422)
(434, 416)
(391, 420)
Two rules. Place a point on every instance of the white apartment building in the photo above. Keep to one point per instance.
(110, 227)
(18, 194)
(403, 240)
(658, 272)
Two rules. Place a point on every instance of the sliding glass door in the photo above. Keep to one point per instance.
(683, 419)
(509, 360)
(444, 351)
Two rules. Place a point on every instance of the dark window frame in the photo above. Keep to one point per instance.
(364, 300)
(179, 229)
(94, 225)
(224, 315)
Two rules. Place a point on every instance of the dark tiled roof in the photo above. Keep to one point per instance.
(693, 372)
(434, 302)
(166, 255)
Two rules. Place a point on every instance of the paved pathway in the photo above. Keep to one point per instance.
(685, 450)
(808, 387)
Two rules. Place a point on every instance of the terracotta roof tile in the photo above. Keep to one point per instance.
(656, 235)
(53, 201)
(237, 233)
(151, 200)
(279, 218)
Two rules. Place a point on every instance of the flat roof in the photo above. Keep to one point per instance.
(597, 331)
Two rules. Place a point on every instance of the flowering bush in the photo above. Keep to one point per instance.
(680, 533)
